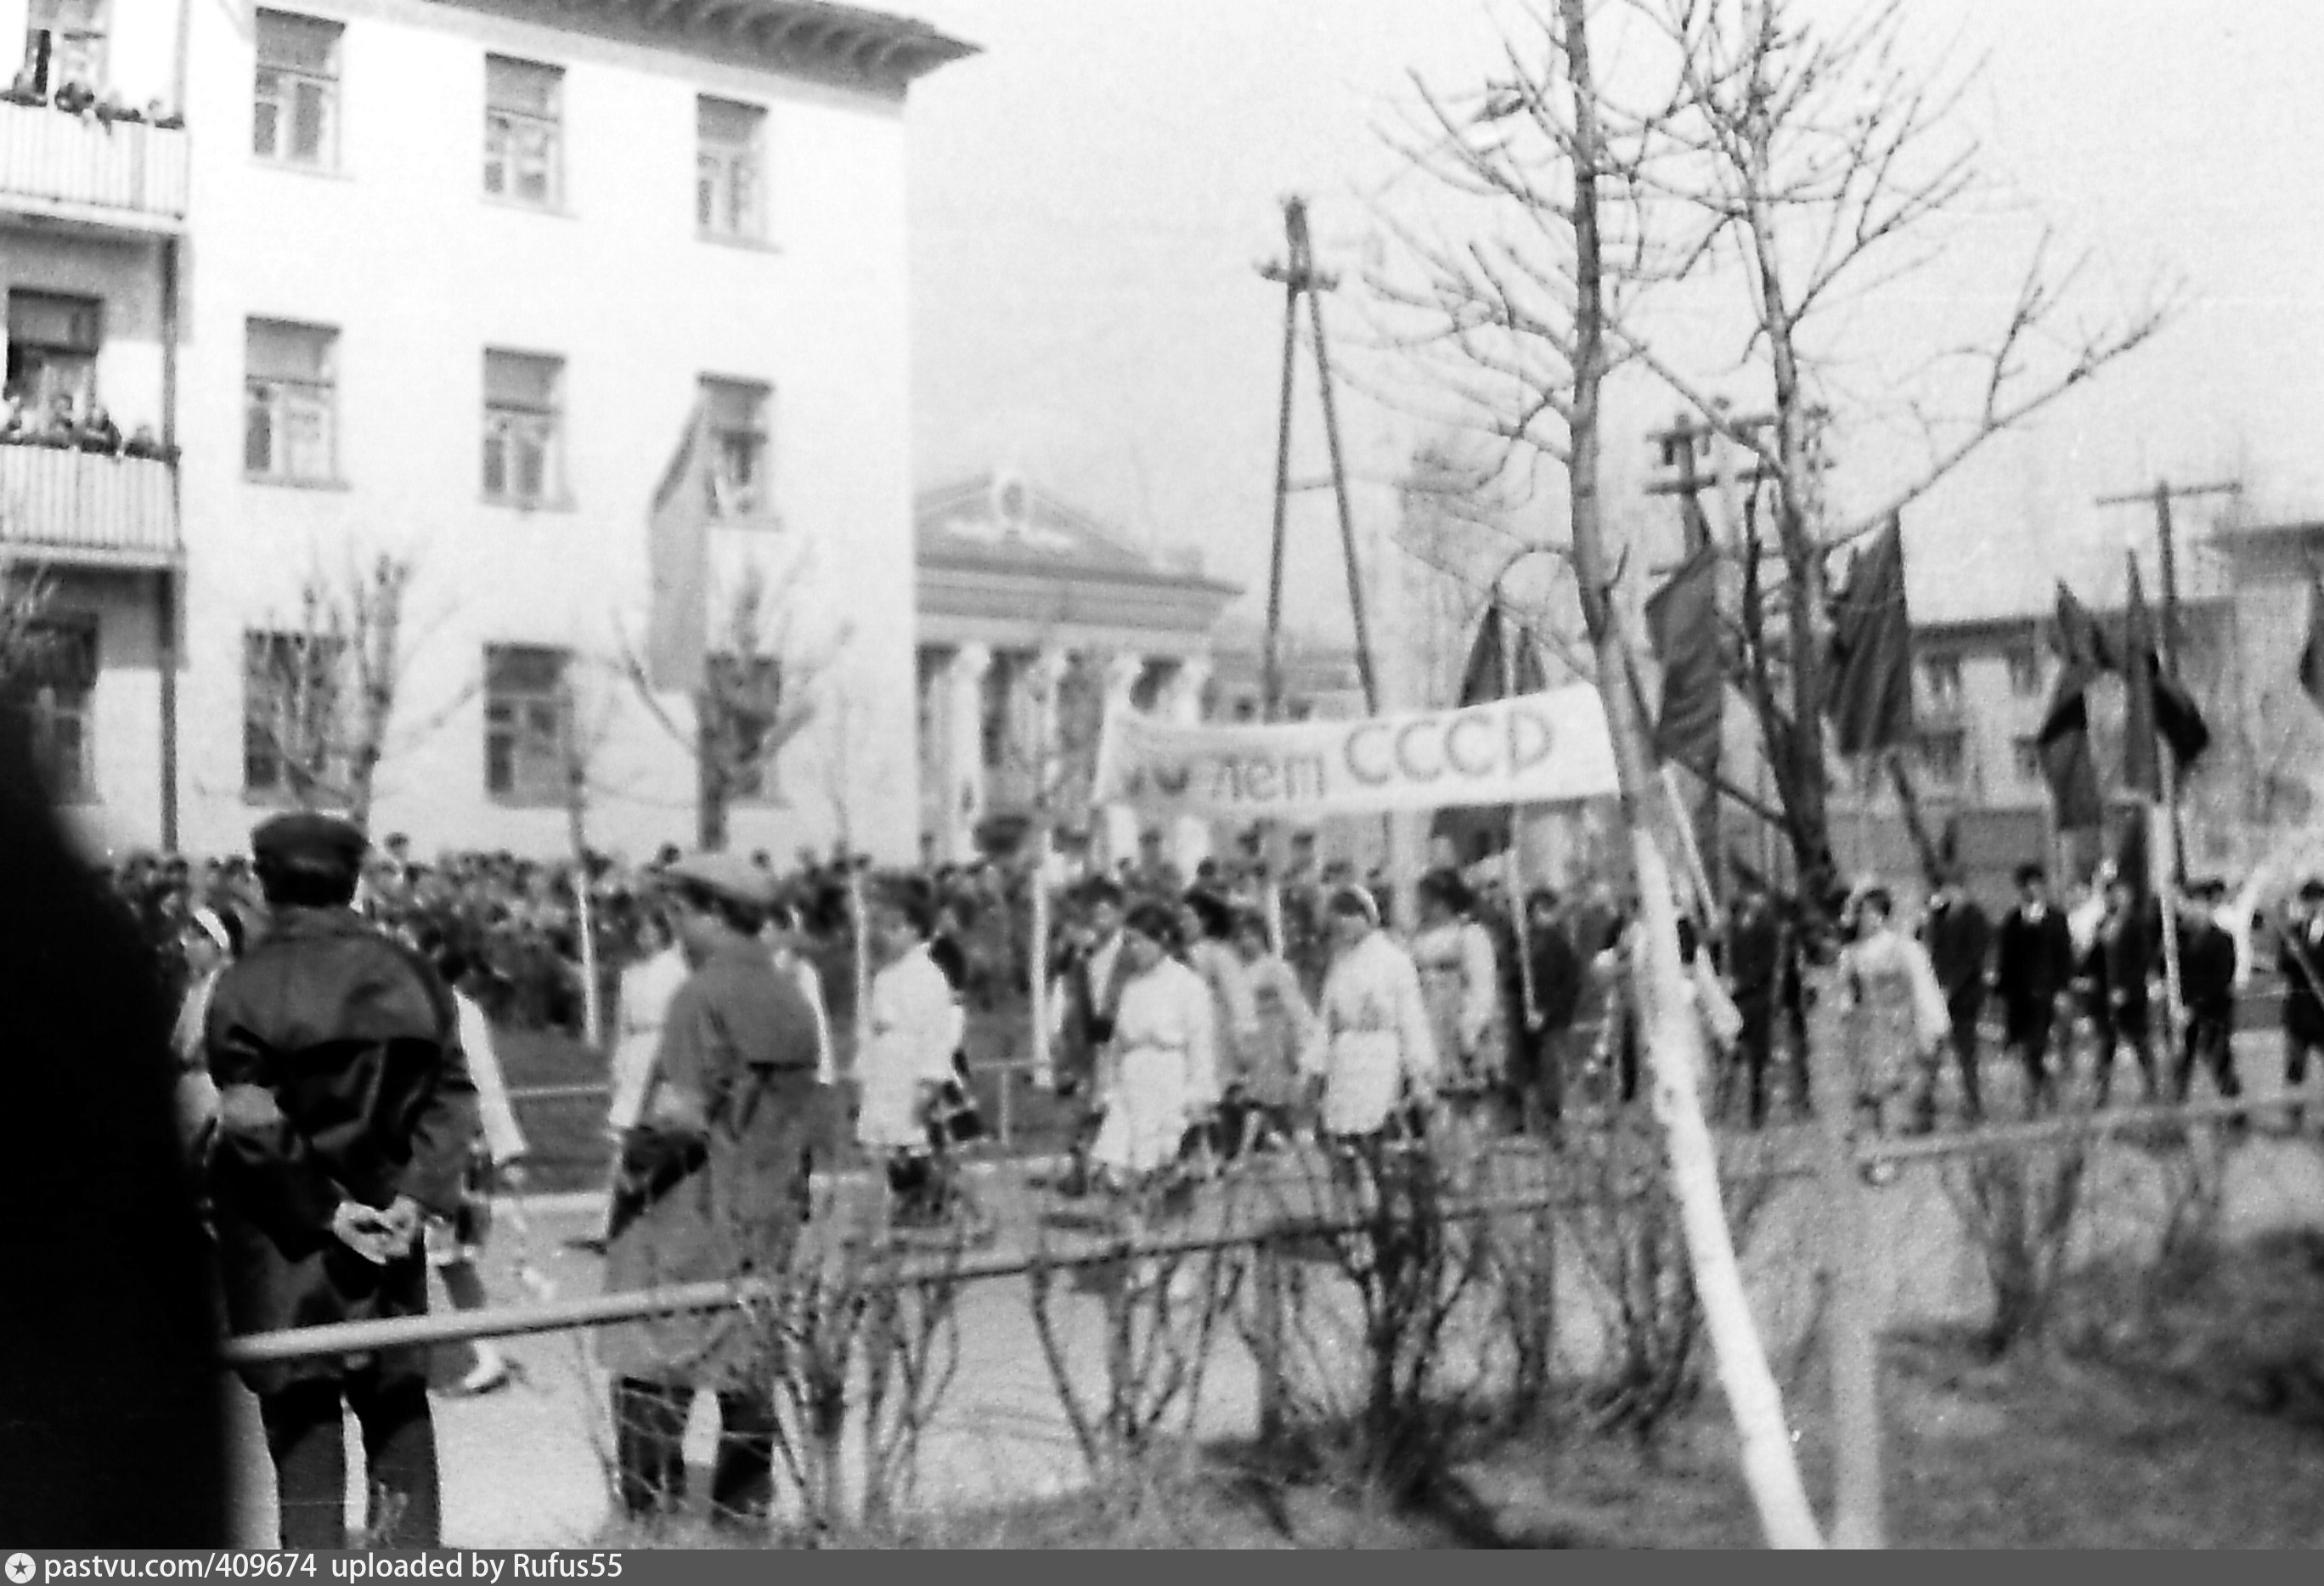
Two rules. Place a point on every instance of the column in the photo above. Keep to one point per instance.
(964, 752)
(1182, 702)
(1118, 821)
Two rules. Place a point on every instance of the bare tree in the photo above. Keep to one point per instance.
(321, 692)
(1526, 312)
(1788, 177)
(757, 694)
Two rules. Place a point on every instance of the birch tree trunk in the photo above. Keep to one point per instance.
(1674, 1036)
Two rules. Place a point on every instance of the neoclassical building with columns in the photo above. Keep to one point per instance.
(1032, 617)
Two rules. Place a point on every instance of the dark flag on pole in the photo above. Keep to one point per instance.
(1868, 691)
(1682, 618)
(1501, 663)
(2157, 705)
(2142, 766)
(2311, 654)
(2064, 740)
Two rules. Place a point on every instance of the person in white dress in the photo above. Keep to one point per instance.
(1460, 981)
(212, 941)
(455, 1246)
(912, 1028)
(1162, 1049)
(1373, 1053)
(1899, 1016)
(1269, 1079)
(641, 1005)
(787, 946)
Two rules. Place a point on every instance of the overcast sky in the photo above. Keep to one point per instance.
(1090, 195)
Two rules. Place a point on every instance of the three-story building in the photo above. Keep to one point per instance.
(478, 287)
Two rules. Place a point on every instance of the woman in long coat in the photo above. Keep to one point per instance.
(1898, 1013)
(713, 1187)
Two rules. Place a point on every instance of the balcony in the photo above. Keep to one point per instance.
(83, 509)
(78, 171)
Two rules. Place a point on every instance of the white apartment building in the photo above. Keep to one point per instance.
(447, 281)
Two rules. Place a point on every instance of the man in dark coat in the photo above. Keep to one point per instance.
(1957, 935)
(2127, 954)
(2206, 983)
(1754, 951)
(2033, 971)
(346, 1112)
(1558, 975)
(714, 1187)
(2299, 958)
(1088, 991)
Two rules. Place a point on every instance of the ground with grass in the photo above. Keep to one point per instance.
(2190, 1416)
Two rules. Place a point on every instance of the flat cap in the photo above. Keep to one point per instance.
(729, 875)
(310, 837)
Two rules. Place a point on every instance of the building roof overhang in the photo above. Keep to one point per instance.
(849, 45)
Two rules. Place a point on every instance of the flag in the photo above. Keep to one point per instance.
(678, 557)
(1682, 618)
(2158, 706)
(1500, 664)
(2064, 741)
(1869, 693)
(2311, 654)
(2142, 769)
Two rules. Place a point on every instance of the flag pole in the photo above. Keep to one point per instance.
(1512, 872)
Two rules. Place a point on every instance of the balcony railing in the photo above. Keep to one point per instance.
(78, 167)
(83, 507)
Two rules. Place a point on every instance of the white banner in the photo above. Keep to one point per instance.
(1547, 747)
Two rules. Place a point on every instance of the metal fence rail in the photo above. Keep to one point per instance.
(1751, 1159)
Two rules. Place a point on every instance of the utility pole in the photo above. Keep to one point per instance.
(2161, 494)
(1301, 279)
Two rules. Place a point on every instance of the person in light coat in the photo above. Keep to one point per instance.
(1374, 1052)
(1899, 1016)
(641, 1005)
(457, 1243)
(912, 1028)
(1460, 981)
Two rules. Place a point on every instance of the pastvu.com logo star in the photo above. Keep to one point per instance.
(20, 1568)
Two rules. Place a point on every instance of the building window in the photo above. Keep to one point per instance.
(295, 104)
(523, 135)
(728, 197)
(64, 43)
(1943, 675)
(525, 723)
(290, 428)
(53, 342)
(292, 691)
(2026, 752)
(1943, 755)
(523, 427)
(737, 415)
(52, 678)
(2024, 670)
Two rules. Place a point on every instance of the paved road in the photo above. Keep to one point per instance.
(525, 1466)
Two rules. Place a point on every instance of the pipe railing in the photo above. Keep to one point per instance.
(1755, 1158)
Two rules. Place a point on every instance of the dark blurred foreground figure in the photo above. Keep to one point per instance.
(112, 1426)
(713, 1185)
(345, 1117)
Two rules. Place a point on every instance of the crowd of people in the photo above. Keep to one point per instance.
(63, 424)
(341, 1096)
